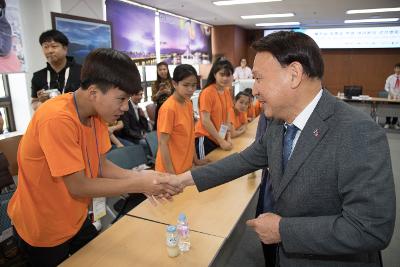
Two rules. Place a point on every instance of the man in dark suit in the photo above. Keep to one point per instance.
(329, 164)
(135, 123)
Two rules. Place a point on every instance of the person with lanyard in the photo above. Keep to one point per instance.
(215, 101)
(62, 167)
(392, 86)
(175, 132)
(163, 84)
(329, 164)
(61, 72)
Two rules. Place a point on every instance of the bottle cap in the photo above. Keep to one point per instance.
(171, 228)
(182, 217)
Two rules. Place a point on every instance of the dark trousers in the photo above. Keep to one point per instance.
(266, 204)
(269, 254)
(204, 146)
(53, 256)
(391, 120)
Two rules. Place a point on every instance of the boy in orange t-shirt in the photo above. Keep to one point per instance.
(215, 101)
(176, 151)
(62, 164)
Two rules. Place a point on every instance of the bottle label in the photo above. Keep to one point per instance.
(172, 241)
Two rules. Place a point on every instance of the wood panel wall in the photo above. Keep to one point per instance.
(366, 67)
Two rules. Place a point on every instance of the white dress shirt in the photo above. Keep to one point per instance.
(389, 85)
(242, 73)
(301, 119)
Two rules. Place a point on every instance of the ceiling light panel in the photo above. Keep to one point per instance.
(242, 2)
(288, 23)
(265, 16)
(374, 10)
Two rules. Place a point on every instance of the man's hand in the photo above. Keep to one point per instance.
(42, 95)
(159, 184)
(267, 227)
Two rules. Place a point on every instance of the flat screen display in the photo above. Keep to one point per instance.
(365, 37)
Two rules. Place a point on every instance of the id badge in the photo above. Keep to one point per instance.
(99, 208)
(223, 130)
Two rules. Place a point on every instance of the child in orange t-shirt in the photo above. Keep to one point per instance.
(257, 107)
(238, 114)
(251, 111)
(62, 162)
(215, 101)
(176, 151)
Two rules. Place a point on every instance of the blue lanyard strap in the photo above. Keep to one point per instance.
(97, 144)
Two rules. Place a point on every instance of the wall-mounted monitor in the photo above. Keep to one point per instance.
(84, 34)
(365, 37)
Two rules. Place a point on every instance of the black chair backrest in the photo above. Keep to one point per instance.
(152, 142)
(5, 176)
(128, 157)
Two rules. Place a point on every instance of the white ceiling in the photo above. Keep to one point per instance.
(310, 13)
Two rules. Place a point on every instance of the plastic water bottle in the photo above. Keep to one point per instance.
(183, 233)
(172, 241)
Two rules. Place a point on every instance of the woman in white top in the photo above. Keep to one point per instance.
(242, 72)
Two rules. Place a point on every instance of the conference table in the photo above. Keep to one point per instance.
(376, 106)
(216, 219)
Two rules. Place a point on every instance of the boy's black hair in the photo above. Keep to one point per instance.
(53, 35)
(107, 68)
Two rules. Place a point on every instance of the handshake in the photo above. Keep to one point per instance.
(160, 186)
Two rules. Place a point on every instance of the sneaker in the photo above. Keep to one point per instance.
(98, 225)
(386, 126)
(397, 127)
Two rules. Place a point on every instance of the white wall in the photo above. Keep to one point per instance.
(84, 8)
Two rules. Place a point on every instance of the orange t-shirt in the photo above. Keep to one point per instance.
(251, 112)
(257, 108)
(215, 103)
(55, 144)
(238, 120)
(176, 119)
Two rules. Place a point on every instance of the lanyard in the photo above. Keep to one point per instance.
(97, 144)
(66, 76)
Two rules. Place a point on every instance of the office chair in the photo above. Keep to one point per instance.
(152, 142)
(127, 157)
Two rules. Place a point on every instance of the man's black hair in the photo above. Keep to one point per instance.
(53, 35)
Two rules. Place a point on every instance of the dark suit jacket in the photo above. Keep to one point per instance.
(134, 127)
(336, 197)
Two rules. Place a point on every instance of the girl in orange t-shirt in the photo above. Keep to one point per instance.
(215, 101)
(176, 152)
(238, 114)
(251, 110)
(257, 107)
